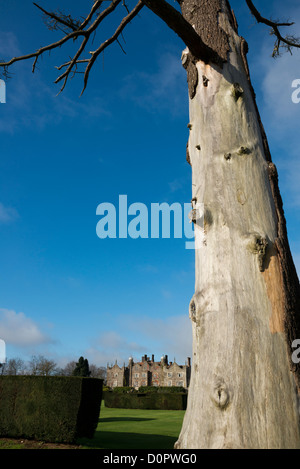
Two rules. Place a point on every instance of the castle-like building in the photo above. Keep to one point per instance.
(148, 372)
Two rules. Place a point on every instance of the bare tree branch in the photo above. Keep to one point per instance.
(95, 7)
(288, 42)
(182, 28)
(112, 39)
(73, 29)
(97, 52)
(59, 18)
(77, 30)
(40, 51)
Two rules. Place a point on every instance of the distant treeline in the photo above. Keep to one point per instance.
(42, 366)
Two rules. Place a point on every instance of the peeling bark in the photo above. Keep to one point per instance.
(204, 17)
(189, 63)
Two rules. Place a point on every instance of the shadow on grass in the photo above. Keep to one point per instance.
(125, 440)
(124, 419)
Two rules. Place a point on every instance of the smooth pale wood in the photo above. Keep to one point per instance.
(242, 392)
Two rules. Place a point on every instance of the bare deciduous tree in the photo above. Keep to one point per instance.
(41, 366)
(97, 371)
(68, 369)
(246, 308)
(15, 366)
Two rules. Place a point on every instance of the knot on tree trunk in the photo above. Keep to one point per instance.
(221, 395)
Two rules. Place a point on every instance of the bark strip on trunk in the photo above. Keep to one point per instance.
(204, 17)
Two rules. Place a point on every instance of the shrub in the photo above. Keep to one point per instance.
(49, 408)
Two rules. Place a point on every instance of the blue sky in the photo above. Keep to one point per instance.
(63, 291)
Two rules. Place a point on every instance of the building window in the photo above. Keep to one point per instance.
(136, 375)
(179, 383)
(169, 383)
(180, 375)
(169, 375)
(144, 375)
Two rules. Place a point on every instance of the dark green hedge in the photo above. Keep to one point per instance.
(147, 389)
(123, 389)
(159, 400)
(164, 389)
(49, 408)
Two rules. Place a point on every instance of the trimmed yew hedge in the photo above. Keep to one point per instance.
(163, 389)
(49, 408)
(149, 400)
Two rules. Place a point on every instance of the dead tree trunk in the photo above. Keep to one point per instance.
(245, 310)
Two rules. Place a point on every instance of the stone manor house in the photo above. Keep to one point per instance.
(148, 372)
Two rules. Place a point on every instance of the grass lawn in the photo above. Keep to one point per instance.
(136, 429)
(121, 429)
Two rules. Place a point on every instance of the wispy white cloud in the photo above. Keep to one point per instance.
(166, 293)
(111, 346)
(177, 184)
(72, 282)
(148, 268)
(9, 45)
(19, 330)
(112, 340)
(283, 113)
(280, 115)
(34, 103)
(7, 214)
(163, 89)
(170, 336)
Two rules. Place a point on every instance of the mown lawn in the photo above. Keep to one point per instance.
(136, 429)
(121, 429)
